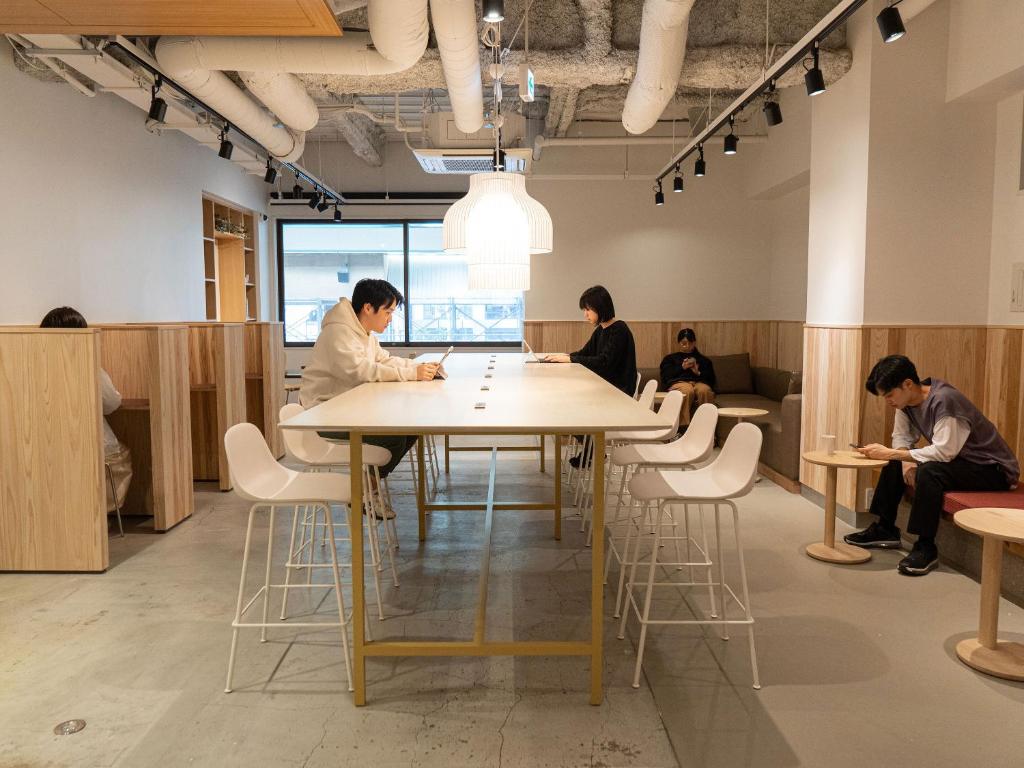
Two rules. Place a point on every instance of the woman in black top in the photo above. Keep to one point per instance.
(689, 372)
(610, 353)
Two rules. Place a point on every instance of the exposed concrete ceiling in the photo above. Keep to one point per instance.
(584, 53)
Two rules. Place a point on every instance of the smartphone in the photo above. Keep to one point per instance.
(855, 446)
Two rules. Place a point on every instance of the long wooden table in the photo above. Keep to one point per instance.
(519, 399)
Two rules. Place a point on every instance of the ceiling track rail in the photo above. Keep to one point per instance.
(835, 18)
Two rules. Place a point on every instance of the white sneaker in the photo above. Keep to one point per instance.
(382, 514)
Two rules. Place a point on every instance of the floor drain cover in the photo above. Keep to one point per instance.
(68, 727)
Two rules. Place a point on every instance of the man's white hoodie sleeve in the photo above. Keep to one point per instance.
(356, 360)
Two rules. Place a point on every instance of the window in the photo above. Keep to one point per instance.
(320, 261)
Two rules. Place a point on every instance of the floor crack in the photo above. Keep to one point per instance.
(501, 735)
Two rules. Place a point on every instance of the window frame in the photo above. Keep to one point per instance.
(405, 287)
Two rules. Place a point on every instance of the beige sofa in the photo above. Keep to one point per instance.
(777, 391)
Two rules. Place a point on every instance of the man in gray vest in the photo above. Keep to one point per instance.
(965, 453)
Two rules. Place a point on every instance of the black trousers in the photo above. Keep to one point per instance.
(399, 445)
(933, 479)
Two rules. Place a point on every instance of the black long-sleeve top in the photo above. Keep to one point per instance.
(672, 369)
(611, 354)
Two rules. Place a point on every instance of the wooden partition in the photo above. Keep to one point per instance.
(216, 353)
(52, 498)
(983, 363)
(149, 367)
(264, 379)
(771, 343)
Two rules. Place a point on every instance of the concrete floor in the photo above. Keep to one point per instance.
(857, 663)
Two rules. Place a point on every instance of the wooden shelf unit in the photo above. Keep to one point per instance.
(229, 263)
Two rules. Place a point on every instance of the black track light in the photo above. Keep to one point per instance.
(157, 107)
(271, 175)
(813, 79)
(659, 196)
(494, 11)
(297, 192)
(731, 140)
(772, 110)
(337, 213)
(677, 182)
(323, 205)
(700, 168)
(226, 147)
(890, 24)
(315, 199)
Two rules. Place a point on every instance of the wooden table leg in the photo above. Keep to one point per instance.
(421, 488)
(558, 489)
(447, 454)
(543, 458)
(358, 584)
(828, 550)
(985, 653)
(597, 574)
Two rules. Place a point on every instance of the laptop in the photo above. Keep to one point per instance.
(533, 357)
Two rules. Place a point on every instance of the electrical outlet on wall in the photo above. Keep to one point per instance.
(869, 494)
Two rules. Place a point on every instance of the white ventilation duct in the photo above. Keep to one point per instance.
(455, 27)
(198, 62)
(663, 33)
(283, 95)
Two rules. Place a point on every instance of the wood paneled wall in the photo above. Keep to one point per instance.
(217, 378)
(52, 499)
(771, 343)
(983, 363)
(149, 366)
(264, 379)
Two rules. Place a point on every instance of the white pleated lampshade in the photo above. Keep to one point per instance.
(540, 232)
(497, 237)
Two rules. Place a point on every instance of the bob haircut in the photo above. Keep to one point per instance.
(598, 300)
(64, 317)
(686, 333)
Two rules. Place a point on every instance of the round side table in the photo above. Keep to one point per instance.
(742, 413)
(985, 652)
(829, 550)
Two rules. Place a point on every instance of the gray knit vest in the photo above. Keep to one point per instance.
(984, 445)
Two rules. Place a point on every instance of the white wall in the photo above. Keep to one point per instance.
(1007, 210)
(986, 49)
(787, 286)
(930, 166)
(99, 214)
(839, 186)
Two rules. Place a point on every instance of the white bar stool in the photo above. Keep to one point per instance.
(694, 447)
(729, 477)
(258, 478)
(318, 455)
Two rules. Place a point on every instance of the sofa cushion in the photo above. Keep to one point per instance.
(732, 373)
(954, 501)
(796, 383)
(772, 383)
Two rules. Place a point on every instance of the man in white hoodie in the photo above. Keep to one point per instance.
(347, 354)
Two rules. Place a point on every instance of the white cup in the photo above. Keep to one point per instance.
(828, 444)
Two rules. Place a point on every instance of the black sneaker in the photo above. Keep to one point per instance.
(875, 535)
(922, 558)
(577, 461)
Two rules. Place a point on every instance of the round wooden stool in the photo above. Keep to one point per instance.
(985, 653)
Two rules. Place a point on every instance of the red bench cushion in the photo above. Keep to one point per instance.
(954, 501)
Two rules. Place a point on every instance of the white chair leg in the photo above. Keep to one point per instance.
(388, 523)
(340, 597)
(372, 533)
(266, 575)
(746, 596)
(289, 565)
(394, 530)
(238, 604)
(611, 526)
(632, 574)
(622, 566)
(721, 574)
(710, 566)
(647, 597)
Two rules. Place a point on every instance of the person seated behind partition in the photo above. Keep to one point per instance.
(115, 454)
(610, 352)
(689, 372)
(347, 354)
(966, 453)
